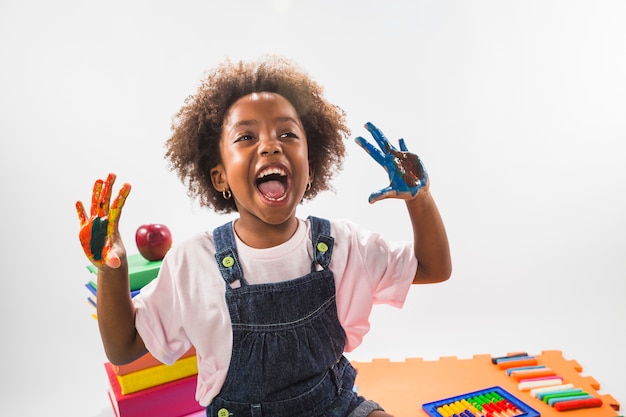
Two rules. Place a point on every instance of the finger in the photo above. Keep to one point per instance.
(105, 199)
(391, 192)
(95, 197)
(116, 207)
(119, 201)
(82, 214)
(370, 149)
(402, 144)
(380, 194)
(379, 137)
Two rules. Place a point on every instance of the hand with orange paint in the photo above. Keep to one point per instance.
(99, 232)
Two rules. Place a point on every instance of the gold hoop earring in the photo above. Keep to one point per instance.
(227, 194)
(308, 186)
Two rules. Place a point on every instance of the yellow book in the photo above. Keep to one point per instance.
(157, 375)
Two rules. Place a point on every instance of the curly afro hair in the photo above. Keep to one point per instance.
(193, 148)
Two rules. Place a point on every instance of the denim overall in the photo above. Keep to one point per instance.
(287, 358)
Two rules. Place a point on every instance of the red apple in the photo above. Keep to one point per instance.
(153, 241)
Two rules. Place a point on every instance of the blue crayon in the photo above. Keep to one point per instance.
(523, 368)
(516, 355)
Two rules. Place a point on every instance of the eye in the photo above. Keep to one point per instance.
(243, 138)
(288, 135)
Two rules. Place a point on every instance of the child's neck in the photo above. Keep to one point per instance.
(261, 235)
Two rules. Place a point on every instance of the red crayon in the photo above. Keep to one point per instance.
(576, 404)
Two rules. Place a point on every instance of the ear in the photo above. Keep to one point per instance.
(311, 174)
(218, 178)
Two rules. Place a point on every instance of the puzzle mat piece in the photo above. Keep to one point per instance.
(402, 387)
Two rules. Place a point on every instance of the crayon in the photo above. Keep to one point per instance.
(513, 358)
(555, 401)
(524, 368)
(560, 394)
(540, 378)
(537, 391)
(513, 355)
(524, 361)
(527, 385)
(576, 404)
(532, 373)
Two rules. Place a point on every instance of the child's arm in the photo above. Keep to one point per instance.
(430, 239)
(101, 241)
(409, 181)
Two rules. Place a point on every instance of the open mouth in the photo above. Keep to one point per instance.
(273, 184)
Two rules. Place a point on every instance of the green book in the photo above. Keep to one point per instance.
(140, 270)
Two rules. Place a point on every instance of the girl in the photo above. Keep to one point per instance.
(270, 301)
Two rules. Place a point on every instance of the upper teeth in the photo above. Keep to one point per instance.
(270, 171)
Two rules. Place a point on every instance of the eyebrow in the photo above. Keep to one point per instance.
(253, 122)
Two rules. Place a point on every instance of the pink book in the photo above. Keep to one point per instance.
(201, 413)
(174, 399)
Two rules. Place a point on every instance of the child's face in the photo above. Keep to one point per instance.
(264, 157)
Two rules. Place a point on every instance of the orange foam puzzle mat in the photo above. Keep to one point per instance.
(403, 387)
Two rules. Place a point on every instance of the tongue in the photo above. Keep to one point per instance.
(272, 189)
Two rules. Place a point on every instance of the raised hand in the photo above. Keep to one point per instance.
(406, 173)
(99, 230)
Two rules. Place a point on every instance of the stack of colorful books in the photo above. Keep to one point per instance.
(147, 387)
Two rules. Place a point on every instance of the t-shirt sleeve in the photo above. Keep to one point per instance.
(391, 267)
(372, 271)
(158, 319)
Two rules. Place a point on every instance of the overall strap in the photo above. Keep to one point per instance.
(323, 242)
(226, 255)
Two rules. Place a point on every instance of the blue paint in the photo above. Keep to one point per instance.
(406, 171)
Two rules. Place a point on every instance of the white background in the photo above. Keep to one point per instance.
(517, 109)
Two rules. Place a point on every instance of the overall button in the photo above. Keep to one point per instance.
(322, 247)
(228, 262)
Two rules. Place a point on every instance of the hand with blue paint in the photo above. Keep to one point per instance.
(406, 173)
(99, 231)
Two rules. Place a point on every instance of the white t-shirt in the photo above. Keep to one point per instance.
(185, 305)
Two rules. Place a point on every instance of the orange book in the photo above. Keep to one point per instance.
(144, 362)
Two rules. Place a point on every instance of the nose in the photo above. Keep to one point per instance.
(269, 145)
